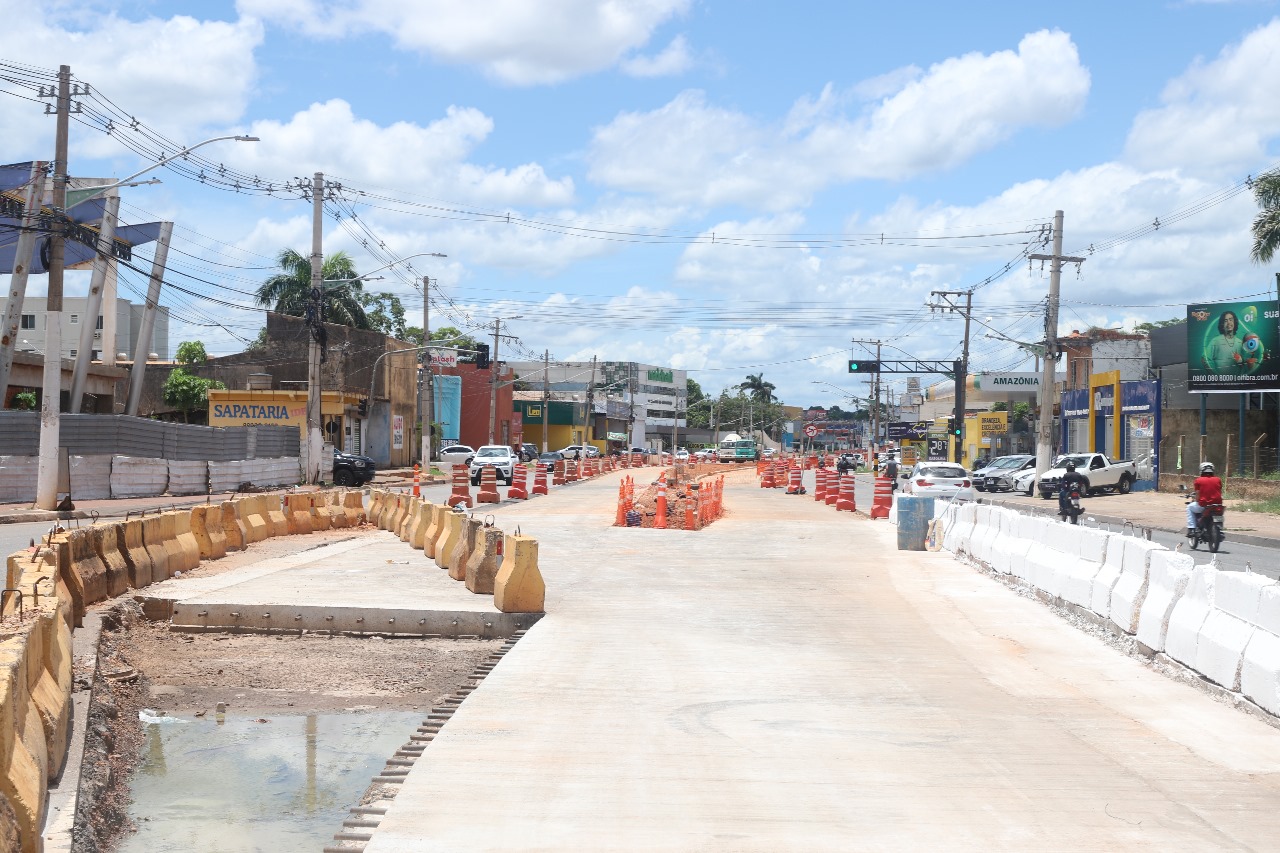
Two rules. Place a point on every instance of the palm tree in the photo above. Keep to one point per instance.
(289, 292)
(1266, 225)
(758, 388)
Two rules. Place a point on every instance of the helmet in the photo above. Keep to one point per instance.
(1071, 466)
(1206, 467)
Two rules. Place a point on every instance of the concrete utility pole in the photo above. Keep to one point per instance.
(313, 445)
(587, 432)
(546, 394)
(93, 305)
(962, 365)
(22, 255)
(493, 377)
(51, 381)
(1048, 390)
(428, 384)
(142, 347)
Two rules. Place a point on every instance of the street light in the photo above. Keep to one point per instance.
(162, 162)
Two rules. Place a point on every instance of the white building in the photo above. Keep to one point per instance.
(31, 328)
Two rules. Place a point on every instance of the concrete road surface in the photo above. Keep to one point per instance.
(787, 680)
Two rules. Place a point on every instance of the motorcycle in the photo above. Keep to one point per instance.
(1208, 529)
(1069, 508)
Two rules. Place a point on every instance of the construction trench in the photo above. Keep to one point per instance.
(257, 675)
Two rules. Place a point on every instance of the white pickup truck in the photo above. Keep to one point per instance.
(1101, 472)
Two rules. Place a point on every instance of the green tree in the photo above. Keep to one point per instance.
(24, 401)
(455, 337)
(289, 291)
(1157, 324)
(187, 392)
(191, 352)
(1266, 225)
(385, 313)
(757, 388)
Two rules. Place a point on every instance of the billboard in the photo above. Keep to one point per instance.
(1233, 347)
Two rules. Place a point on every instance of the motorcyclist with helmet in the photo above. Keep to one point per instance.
(1208, 488)
(1065, 487)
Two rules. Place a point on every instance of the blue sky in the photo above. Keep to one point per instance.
(953, 129)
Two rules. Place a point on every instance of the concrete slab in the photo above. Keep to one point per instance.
(371, 583)
(787, 680)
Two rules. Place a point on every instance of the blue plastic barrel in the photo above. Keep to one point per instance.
(914, 515)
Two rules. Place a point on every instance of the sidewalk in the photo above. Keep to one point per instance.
(1165, 511)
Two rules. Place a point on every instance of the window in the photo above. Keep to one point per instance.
(99, 326)
(28, 321)
(75, 319)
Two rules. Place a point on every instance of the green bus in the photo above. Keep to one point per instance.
(735, 448)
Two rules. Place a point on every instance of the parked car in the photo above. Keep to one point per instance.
(987, 478)
(944, 480)
(769, 451)
(682, 455)
(350, 469)
(705, 455)
(548, 460)
(1100, 471)
(496, 456)
(1019, 482)
(456, 454)
(593, 452)
(575, 451)
(642, 451)
(528, 452)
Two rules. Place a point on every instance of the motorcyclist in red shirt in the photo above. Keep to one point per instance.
(1208, 489)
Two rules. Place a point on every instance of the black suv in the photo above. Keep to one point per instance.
(528, 452)
(352, 470)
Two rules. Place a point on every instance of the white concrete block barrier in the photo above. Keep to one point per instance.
(188, 478)
(138, 477)
(1167, 580)
(1260, 671)
(90, 477)
(959, 527)
(17, 479)
(1078, 584)
(1189, 613)
(1131, 587)
(1230, 626)
(225, 476)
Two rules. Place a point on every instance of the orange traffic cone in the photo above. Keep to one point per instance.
(417, 473)
(660, 521)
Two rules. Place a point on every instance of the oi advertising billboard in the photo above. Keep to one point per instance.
(1233, 347)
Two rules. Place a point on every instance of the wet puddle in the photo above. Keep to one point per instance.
(238, 783)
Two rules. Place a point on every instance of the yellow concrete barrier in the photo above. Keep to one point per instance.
(518, 587)
(206, 526)
(153, 541)
(81, 570)
(411, 507)
(35, 706)
(298, 512)
(334, 509)
(392, 518)
(188, 545)
(449, 533)
(321, 517)
(279, 525)
(105, 543)
(353, 503)
(233, 527)
(253, 512)
(462, 549)
(418, 525)
(485, 560)
(169, 539)
(382, 504)
(136, 556)
(435, 521)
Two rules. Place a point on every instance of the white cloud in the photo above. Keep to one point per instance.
(1218, 115)
(675, 59)
(519, 42)
(330, 138)
(179, 75)
(695, 152)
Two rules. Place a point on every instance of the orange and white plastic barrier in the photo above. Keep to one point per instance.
(488, 493)
(519, 478)
(461, 493)
(846, 502)
(539, 481)
(882, 501)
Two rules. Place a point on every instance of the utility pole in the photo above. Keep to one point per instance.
(962, 365)
(874, 390)
(587, 432)
(428, 380)
(51, 381)
(31, 203)
(142, 347)
(494, 370)
(1048, 390)
(546, 394)
(93, 305)
(314, 440)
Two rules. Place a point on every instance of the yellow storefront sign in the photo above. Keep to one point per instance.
(993, 423)
(255, 408)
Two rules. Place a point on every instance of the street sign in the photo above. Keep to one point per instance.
(444, 357)
(811, 430)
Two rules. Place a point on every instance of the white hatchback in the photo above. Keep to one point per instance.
(939, 480)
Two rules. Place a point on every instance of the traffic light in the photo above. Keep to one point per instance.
(482, 356)
(362, 409)
(859, 366)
